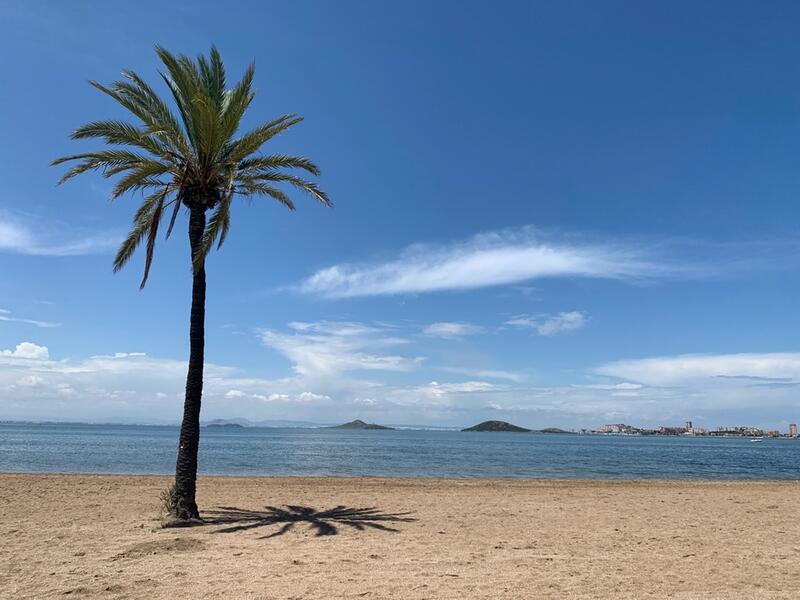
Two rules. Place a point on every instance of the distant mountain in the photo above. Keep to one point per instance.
(285, 424)
(359, 424)
(225, 425)
(268, 423)
(425, 427)
(496, 426)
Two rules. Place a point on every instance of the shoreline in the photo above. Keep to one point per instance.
(98, 536)
(402, 428)
(416, 478)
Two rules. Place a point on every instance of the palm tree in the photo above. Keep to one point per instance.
(199, 161)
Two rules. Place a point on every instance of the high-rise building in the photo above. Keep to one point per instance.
(792, 429)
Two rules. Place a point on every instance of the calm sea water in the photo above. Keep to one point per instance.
(66, 448)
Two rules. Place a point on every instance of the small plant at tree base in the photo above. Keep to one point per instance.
(167, 497)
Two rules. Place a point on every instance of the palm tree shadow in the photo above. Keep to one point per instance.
(324, 522)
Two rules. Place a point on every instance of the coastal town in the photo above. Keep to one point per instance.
(690, 430)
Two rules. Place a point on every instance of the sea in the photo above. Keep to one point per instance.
(143, 449)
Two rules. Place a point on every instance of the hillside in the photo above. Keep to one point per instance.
(359, 424)
(501, 426)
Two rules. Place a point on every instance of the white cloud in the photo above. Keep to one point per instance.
(31, 236)
(312, 397)
(489, 259)
(27, 350)
(131, 386)
(440, 389)
(328, 348)
(5, 315)
(551, 324)
(612, 386)
(619, 390)
(440, 394)
(486, 373)
(712, 390)
(30, 381)
(451, 330)
(304, 397)
(719, 369)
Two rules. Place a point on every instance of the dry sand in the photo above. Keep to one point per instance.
(76, 536)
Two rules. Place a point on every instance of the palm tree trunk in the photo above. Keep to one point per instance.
(183, 500)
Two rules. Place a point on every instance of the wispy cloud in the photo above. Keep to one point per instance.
(5, 315)
(326, 348)
(486, 373)
(451, 330)
(711, 369)
(491, 259)
(551, 324)
(34, 237)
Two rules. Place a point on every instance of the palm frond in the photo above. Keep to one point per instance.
(301, 184)
(152, 234)
(162, 122)
(216, 229)
(119, 132)
(278, 161)
(183, 85)
(213, 76)
(108, 162)
(127, 96)
(140, 177)
(252, 188)
(174, 216)
(141, 224)
(250, 142)
(237, 100)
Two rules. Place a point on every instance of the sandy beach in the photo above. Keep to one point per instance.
(82, 536)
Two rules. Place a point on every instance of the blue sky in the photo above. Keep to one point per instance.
(557, 214)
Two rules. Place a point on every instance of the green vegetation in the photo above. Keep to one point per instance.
(167, 501)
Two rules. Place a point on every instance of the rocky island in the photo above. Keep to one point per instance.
(496, 426)
(359, 424)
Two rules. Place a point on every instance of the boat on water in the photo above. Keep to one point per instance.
(757, 440)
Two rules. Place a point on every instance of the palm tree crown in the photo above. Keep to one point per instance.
(197, 159)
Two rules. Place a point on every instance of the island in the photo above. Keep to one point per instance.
(359, 424)
(554, 430)
(497, 426)
(224, 425)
